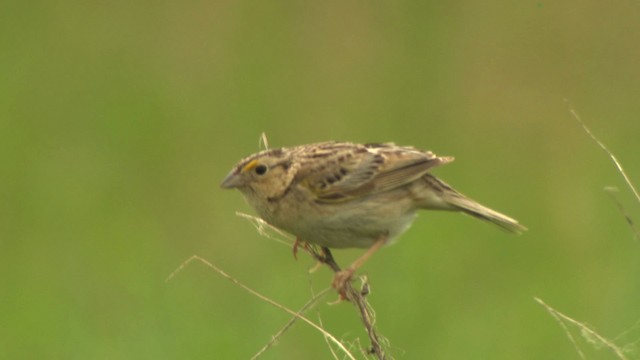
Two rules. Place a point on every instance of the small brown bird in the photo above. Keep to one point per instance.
(346, 195)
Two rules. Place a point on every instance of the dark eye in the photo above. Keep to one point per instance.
(261, 169)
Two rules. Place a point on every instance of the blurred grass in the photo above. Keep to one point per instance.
(119, 119)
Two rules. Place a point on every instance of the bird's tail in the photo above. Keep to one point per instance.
(449, 199)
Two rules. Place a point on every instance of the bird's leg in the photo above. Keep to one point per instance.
(305, 245)
(342, 276)
(327, 258)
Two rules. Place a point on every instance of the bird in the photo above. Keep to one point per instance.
(347, 195)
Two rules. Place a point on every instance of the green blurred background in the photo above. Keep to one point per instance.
(119, 119)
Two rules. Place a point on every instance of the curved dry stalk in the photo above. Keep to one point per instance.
(358, 298)
(263, 298)
(263, 143)
(603, 147)
(264, 229)
(586, 331)
(292, 321)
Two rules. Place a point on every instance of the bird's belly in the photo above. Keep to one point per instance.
(357, 226)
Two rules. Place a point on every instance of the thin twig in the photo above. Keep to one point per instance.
(631, 346)
(261, 297)
(326, 340)
(333, 353)
(263, 142)
(292, 321)
(633, 327)
(589, 334)
(564, 327)
(366, 312)
(635, 231)
(264, 227)
(367, 315)
(603, 147)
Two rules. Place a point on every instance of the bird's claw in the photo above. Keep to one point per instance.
(340, 281)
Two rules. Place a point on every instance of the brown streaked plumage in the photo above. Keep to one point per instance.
(344, 195)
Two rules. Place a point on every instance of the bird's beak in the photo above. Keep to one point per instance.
(232, 181)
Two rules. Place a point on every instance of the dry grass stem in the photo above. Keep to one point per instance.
(357, 297)
(292, 321)
(589, 334)
(263, 298)
(603, 147)
(263, 143)
(620, 170)
(326, 340)
(632, 346)
(313, 295)
(630, 330)
(265, 229)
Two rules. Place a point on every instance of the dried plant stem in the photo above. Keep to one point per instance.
(333, 353)
(367, 315)
(366, 312)
(263, 298)
(588, 332)
(263, 143)
(618, 166)
(265, 229)
(292, 321)
(603, 147)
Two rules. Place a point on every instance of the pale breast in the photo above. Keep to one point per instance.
(357, 223)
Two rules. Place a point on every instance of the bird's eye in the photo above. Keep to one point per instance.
(261, 169)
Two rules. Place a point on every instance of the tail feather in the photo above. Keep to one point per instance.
(450, 199)
(476, 210)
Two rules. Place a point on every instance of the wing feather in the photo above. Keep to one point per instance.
(342, 172)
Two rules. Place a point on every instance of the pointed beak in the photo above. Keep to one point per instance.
(232, 181)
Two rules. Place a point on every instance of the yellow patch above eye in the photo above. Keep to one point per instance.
(250, 165)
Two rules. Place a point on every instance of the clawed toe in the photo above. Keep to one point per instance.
(295, 248)
(340, 281)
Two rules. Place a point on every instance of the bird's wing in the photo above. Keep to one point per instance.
(349, 171)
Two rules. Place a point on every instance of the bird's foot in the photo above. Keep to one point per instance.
(341, 280)
(296, 245)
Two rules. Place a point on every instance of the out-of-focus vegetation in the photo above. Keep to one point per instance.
(119, 119)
